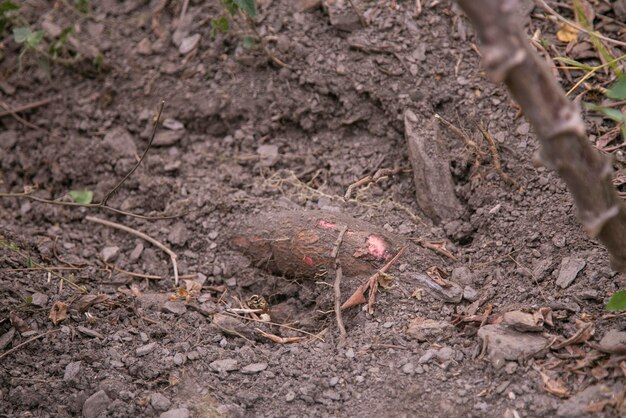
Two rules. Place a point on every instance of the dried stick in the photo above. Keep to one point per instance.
(495, 157)
(143, 236)
(337, 288)
(26, 107)
(509, 58)
(154, 129)
(36, 337)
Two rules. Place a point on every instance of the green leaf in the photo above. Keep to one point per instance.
(7, 6)
(617, 301)
(220, 24)
(248, 42)
(231, 6)
(248, 7)
(610, 113)
(20, 35)
(29, 300)
(29, 263)
(84, 197)
(618, 90)
(574, 63)
(34, 39)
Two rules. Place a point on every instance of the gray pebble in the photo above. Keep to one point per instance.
(145, 349)
(109, 253)
(179, 359)
(72, 371)
(225, 365)
(159, 402)
(254, 368)
(290, 396)
(175, 413)
(177, 307)
(96, 404)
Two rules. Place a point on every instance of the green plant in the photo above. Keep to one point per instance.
(222, 24)
(617, 301)
(6, 9)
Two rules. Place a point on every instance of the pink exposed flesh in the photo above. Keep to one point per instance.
(376, 246)
(325, 224)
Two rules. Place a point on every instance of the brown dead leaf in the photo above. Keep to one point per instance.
(385, 281)
(418, 294)
(58, 312)
(567, 33)
(599, 372)
(553, 386)
(81, 304)
(193, 288)
(437, 275)
(357, 298)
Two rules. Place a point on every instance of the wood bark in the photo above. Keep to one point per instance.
(508, 58)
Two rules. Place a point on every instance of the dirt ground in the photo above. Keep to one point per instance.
(248, 134)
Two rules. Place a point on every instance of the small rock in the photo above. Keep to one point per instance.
(72, 370)
(144, 47)
(570, 267)
(179, 234)
(144, 350)
(269, 155)
(290, 396)
(159, 402)
(179, 359)
(523, 321)
(331, 394)
(193, 355)
(254, 368)
(39, 299)
(136, 253)
(462, 275)
(109, 253)
(333, 381)
(470, 294)
(120, 142)
(349, 353)
(427, 356)
(231, 326)
(173, 124)
(175, 413)
(505, 343)
(188, 44)
(542, 267)
(6, 338)
(89, 332)
(614, 340)
(408, 368)
(576, 406)
(8, 138)
(167, 138)
(225, 365)
(175, 307)
(96, 404)
(445, 353)
(524, 128)
(424, 329)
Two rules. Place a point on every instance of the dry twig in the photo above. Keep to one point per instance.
(36, 337)
(143, 236)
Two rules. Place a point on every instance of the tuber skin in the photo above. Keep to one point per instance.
(299, 244)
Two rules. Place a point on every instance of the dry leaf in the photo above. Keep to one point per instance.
(58, 312)
(554, 386)
(85, 301)
(385, 281)
(567, 33)
(418, 294)
(599, 372)
(193, 288)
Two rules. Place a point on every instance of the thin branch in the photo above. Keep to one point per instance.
(550, 10)
(36, 337)
(143, 236)
(154, 129)
(26, 107)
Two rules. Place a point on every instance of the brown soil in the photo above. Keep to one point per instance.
(259, 138)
